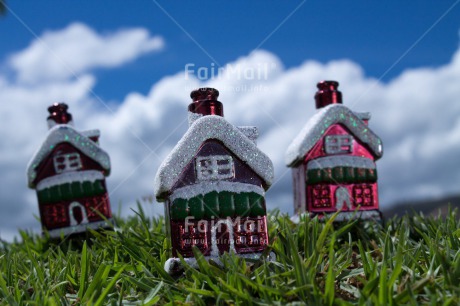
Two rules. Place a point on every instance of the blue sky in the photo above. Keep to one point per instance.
(374, 34)
(121, 69)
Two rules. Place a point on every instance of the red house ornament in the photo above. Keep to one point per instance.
(68, 172)
(333, 161)
(213, 184)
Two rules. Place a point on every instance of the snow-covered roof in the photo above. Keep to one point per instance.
(65, 133)
(202, 129)
(320, 122)
(251, 132)
(91, 133)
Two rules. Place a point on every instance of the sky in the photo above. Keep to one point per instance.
(128, 69)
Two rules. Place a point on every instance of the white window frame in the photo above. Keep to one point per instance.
(71, 162)
(211, 167)
(338, 144)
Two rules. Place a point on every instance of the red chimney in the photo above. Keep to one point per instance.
(58, 114)
(205, 102)
(327, 94)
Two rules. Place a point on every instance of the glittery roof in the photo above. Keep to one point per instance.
(202, 129)
(64, 133)
(91, 133)
(320, 122)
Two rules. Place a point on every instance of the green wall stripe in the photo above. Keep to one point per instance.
(179, 210)
(242, 207)
(70, 191)
(196, 207)
(226, 204)
(341, 175)
(211, 205)
(219, 205)
(256, 204)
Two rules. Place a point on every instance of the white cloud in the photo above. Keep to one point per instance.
(77, 49)
(416, 115)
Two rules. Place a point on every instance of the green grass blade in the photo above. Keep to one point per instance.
(84, 271)
(330, 278)
(109, 287)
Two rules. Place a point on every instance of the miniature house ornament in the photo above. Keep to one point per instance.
(213, 184)
(333, 161)
(68, 172)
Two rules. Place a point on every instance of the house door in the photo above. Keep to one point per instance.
(77, 213)
(222, 233)
(342, 197)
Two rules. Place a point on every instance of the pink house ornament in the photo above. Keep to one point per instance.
(333, 161)
(68, 173)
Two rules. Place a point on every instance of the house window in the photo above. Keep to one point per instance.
(67, 162)
(193, 235)
(215, 167)
(321, 196)
(363, 195)
(337, 144)
(54, 215)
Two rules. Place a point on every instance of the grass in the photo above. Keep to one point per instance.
(412, 260)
